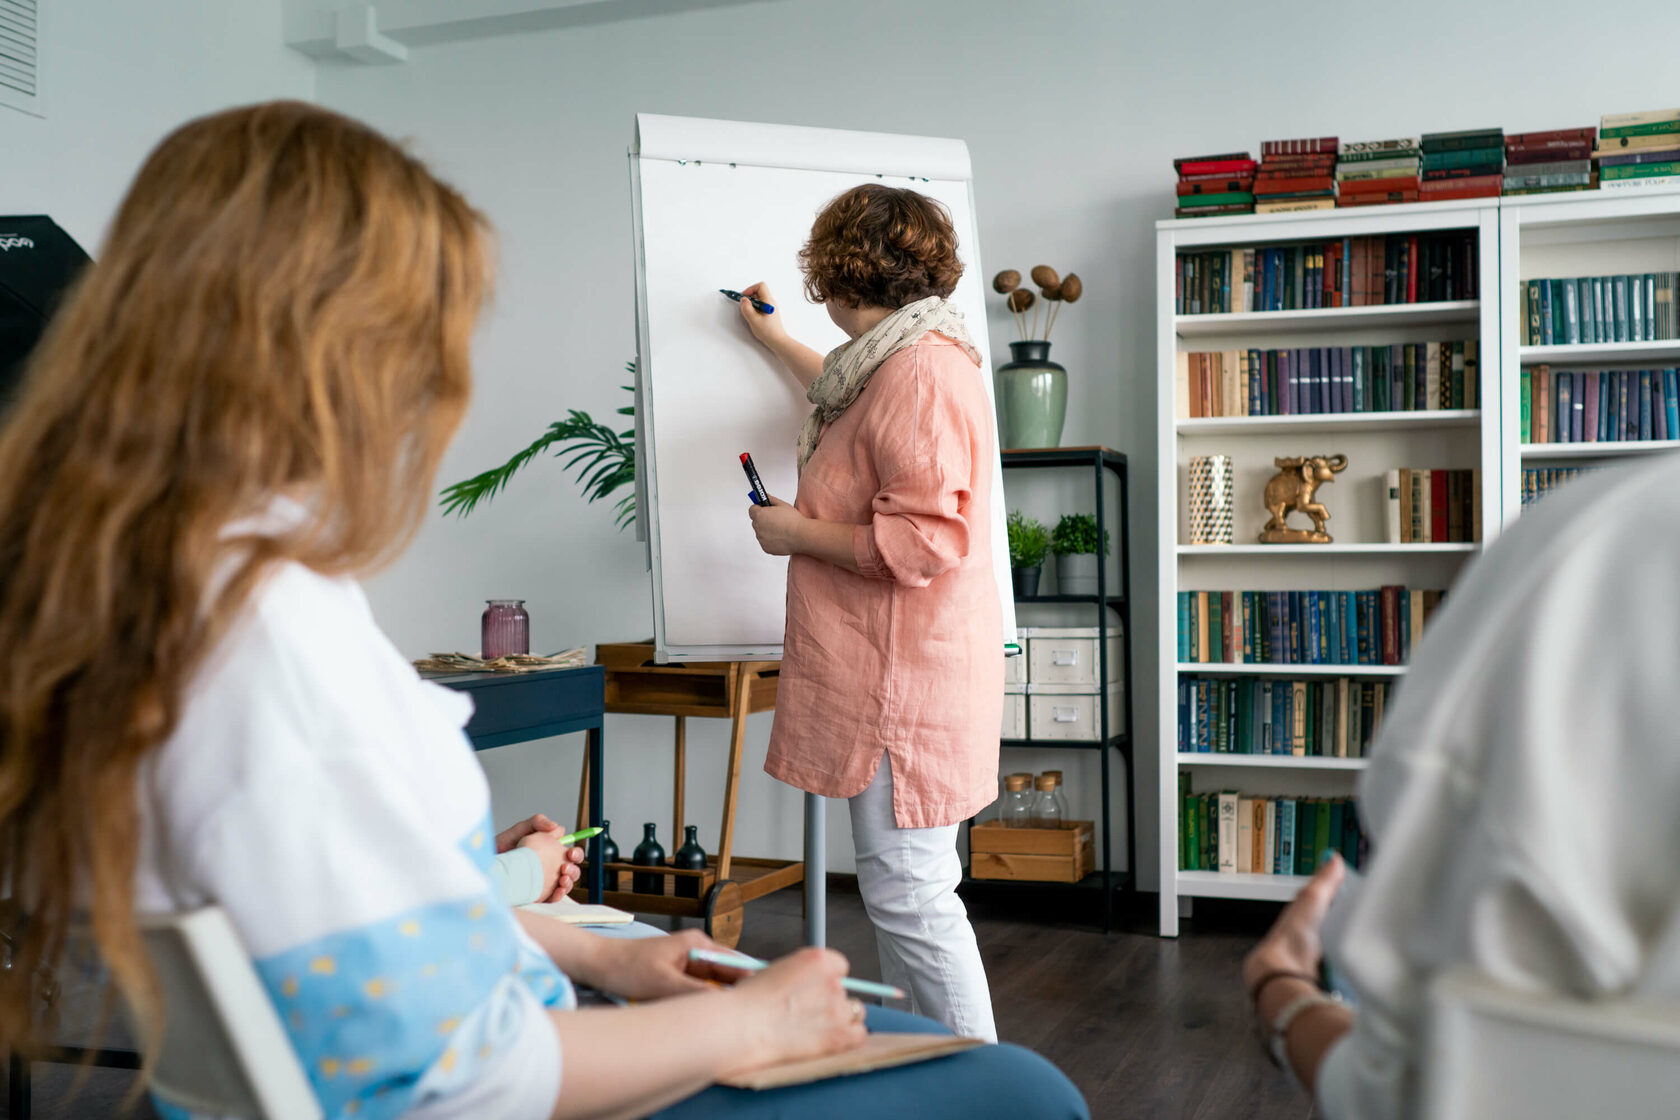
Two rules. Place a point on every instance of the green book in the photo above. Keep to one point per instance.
(1227, 198)
(1640, 171)
(1321, 834)
(1649, 128)
(1305, 824)
(1210, 832)
(1526, 389)
(1186, 823)
(1245, 717)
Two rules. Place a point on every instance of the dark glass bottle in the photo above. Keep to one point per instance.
(609, 854)
(648, 854)
(692, 857)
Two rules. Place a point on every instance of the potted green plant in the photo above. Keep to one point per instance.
(1029, 543)
(1074, 541)
(605, 461)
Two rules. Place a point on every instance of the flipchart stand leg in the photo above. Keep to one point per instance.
(816, 872)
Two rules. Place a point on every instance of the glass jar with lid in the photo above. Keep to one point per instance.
(1046, 812)
(505, 629)
(1016, 809)
(1061, 795)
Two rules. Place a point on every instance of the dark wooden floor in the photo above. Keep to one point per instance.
(1146, 1028)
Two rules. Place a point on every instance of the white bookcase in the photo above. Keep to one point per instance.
(1582, 233)
(1374, 443)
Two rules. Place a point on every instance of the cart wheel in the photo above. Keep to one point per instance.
(725, 913)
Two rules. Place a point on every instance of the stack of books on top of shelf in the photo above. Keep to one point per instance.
(1336, 718)
(1468, 164)
(1376, 172)
(1296, 175)
(1598, 406)
(1374, 627)
(1639, 150)
(1232, 833)
(1216, 184)
(1537, 482)
(1546, 162)
(1433, 506)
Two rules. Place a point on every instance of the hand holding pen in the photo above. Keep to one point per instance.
(758, 311)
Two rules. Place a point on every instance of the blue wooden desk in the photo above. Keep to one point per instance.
(519, 707)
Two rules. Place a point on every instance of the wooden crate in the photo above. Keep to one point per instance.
(1049, 855)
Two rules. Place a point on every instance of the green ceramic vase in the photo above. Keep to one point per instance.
(1031, 397)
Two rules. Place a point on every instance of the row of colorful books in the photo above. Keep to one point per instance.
(1626, 150)
(1306, 719)
(1231, 832)
(1402, 377)
(1347, 272)
(1374, 627)
(1599, 406)
(1637, 307)
(1433, 506)
(1537, 482)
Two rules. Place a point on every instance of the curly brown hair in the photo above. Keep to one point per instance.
(879, 246)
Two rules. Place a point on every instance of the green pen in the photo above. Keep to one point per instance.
(581, 834)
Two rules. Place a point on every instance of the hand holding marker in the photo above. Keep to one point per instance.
(758, 305)
(759, 495)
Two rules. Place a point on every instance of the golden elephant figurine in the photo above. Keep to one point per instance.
(1292, 490)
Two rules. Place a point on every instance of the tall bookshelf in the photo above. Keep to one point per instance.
(1360, 556)
(1581, 233)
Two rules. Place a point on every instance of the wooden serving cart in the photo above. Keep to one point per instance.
(729, 690)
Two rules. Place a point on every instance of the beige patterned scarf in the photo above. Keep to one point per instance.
(849, 366)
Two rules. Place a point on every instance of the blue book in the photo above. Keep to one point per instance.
(1604, 406)
(1283, 850)
(1263, 714)
(1579, 408)
(1276, 270)
(1280, 718)
(1356, 359)
(1303, 382)
(1286, 385)
(1297, 623)
(1326, 638)
(1277, 610)
(1405, 626)
(1350, 628)
(1644, 404)
(1315, 381)
(1589, 321)
(1183, 716)
(1671, 401)
(1350, 379)
(1315, 629)
(1372, 638)
(1204, 728)
(1620, 432)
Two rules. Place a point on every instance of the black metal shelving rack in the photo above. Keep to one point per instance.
(1098, 460)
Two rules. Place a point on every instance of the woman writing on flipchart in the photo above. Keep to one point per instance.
(892, 667)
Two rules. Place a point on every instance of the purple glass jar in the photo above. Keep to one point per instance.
(505, 628)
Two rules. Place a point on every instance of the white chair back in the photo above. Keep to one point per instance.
(1491, 1052)
(224, 1050)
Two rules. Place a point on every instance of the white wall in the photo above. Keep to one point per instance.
(1073, 113)
(118, 76)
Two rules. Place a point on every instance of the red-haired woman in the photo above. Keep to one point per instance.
(239, 410)
(891, 687)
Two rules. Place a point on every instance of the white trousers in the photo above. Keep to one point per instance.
(909, 877)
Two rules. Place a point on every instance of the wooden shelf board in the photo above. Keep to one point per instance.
(1536, 452)
(1227, 668)
(1356, 549)
(1328, 318)
(1577, 354)
(1270, 761)
(1335, 421)
(1217, 884)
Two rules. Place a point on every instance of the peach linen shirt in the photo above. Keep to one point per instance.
(906, 657)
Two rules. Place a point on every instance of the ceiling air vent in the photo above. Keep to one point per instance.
(20, 54)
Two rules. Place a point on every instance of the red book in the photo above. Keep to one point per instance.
(1434, 187)
(1391, 625)
(1333, 275)
(1265, 185)
(1380, 186)
(1360, 272)
(1222, 157)
(1225, 613)
(1218, 167)
(1439, 507)
(1374, 199)
(1216, 176)
(1411, 268)
(1215, 186)
(1294, 147)
(1516, 157)
(1300, 165)
(1559, 137)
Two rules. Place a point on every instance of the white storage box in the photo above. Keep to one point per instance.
(1014, 712)
(1015, 668)
(1059, 712)
(1068, 655)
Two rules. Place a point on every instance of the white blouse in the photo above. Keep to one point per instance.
(326, 798)
(1521, 796)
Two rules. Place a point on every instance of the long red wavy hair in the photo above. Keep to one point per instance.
(284, 304)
